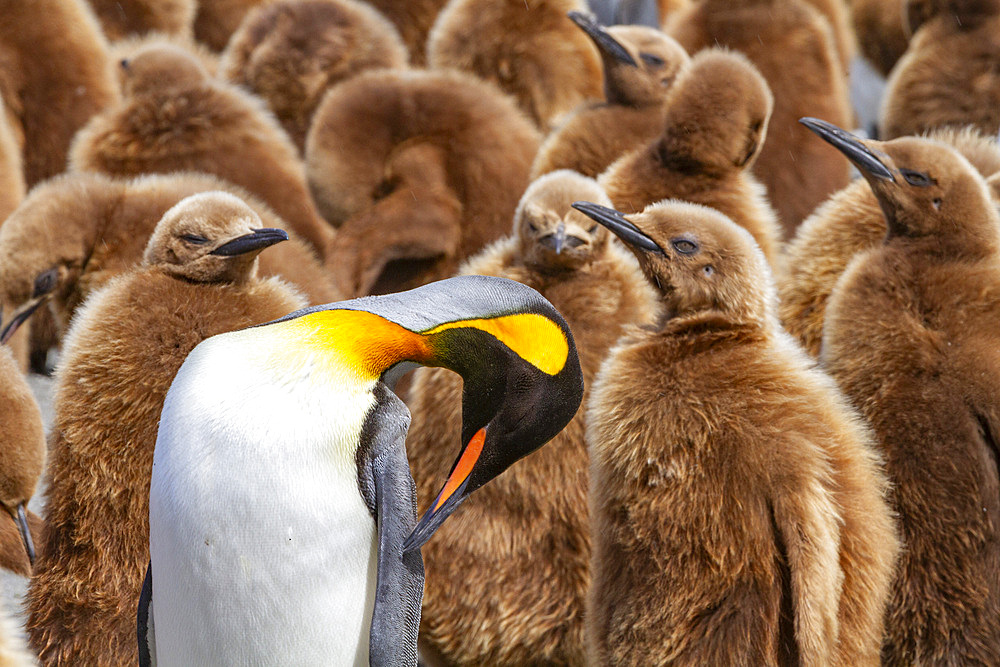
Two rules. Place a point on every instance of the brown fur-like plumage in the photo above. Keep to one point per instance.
(175, 118)
(12, 190)
(122, 18)
(413, 19)
(529, 48)
(848, 223)
(420, 169)
(950, 73)
(911, 337)
(736, 499)
(713, 129)
(793, 46)
(880, 32)
(55, 74)
(598, 133)
(838, 17)
(91, 228)
(291, 52)
(125, 346)
(217, 20)
(525, 538)
(22, 458)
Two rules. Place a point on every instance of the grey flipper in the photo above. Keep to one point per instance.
(144, 622)
(391, 495)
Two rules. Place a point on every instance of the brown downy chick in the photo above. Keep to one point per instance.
(737, 505)
(881, 36)
(12, 189)
(414, 20)
(848, 223)
(128, 48)
(792, 45)
(290, 52)
(124, 18)
(75, 233)
(217, 20)
(528, 48)
(950, 73)
(22, 459)
(55, 73)
(198, 279)
(420, 169)
(714, 126)
(640, 65)
(531, 533)
(910, 335)
(175, 118)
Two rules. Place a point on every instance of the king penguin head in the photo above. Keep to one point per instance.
(514, 351)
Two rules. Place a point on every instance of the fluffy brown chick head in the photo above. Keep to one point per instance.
(210, 237)
(47, 241)
(701, 261)
(640, 63)
(161, 67)
(930, 195)
(552, 235)
(297, 48)
(716, 115)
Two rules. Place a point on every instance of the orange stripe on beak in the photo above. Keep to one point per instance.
(464, 467)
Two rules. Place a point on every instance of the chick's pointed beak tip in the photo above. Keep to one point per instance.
(22, 525)
(616, 223)
(20, 316)
(602, 39)
(256, 240)
(860, 155)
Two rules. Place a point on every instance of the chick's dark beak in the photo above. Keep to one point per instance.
(20, 316)
(255, 241)
(556, 240)
(21, 519)
(861, 156)
(619, 226)
(605, 43)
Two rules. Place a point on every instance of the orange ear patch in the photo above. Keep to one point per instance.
(533, 337)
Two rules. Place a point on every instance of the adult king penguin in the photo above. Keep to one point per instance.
(281, 504)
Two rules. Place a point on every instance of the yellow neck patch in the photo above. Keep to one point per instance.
(533, 337)
(366, 343)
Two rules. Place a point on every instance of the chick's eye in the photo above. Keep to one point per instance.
(592, 229)
(650, 59)
(684, 246)
(194, 238)
(916, 178)
(45, 282)
(532, 227)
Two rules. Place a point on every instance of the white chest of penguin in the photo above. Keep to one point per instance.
(263, 549)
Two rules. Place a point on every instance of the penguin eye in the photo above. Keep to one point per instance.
(650, 59)
(708, 269)
(532, 227)
(684, 246)
(45, 282)
(916, 178)
(194, 238)
(592, 229)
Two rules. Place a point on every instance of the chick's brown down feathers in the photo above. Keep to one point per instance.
(507, 576)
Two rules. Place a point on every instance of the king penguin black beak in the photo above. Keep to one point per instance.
(21, 519)
(860, 155)
(255, 241)
(20, 316)
(619, 226)
(556, 240)
(605, 43)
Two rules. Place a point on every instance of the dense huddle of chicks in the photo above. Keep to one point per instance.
(788, 451)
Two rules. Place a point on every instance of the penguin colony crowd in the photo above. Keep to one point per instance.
(770, 392)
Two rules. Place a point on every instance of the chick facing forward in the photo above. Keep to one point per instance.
(737, 505)
(198, 278)
(528, 532)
